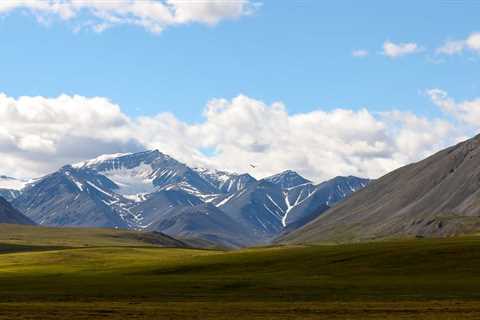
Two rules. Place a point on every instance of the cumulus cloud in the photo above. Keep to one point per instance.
(451, 47)
(153, 15)
(39, 135)
(395, 50)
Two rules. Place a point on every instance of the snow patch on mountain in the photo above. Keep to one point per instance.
(12, 183)
(134, 181)
(224, 201)
(99, 159)
(226, 182)
(288, 179)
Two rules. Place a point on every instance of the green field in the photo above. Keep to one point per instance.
(105, 277)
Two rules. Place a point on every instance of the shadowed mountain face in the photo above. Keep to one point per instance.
(284, 202)
(71, 197)
(154, 192)
(439, 196)
(9, 214)
(9, 194)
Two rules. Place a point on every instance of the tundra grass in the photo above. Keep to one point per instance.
(422, 279)
(37, 237)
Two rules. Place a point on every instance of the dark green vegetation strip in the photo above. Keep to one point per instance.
(434, 310)
(429, 279)
(11, 248)
(81, 237)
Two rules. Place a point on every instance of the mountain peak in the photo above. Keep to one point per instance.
(99, 159)
(118, 159)
(287, 179)
(347, 179)
(67, 167)
(225, 181)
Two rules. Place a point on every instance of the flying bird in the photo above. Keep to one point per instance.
(251, 165)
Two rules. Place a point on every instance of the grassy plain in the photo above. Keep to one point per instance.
(60, 279)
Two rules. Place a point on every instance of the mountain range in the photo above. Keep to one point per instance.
(154, 192)
(151, 191)
(438, 196)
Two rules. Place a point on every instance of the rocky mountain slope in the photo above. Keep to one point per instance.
(439, 196)
(10, 215)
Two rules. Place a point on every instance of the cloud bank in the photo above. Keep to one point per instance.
(153, 15)
(38, 135)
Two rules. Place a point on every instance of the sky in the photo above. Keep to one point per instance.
(325, 88)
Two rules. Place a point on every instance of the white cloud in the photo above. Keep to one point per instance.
(451, 47)
(467, 112)
(38, 135)
(153, 15)
(360, 53)
(395, 50)
(473, 42)
(209, 12)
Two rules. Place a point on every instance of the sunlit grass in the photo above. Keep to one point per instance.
(429, 279)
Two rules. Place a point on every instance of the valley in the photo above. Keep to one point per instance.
(239, 160)
(177, 248)
(423, 278)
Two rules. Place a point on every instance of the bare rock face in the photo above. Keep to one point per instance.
(438, 196)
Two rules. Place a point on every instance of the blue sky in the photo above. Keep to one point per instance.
(202, 83)
(298, 52)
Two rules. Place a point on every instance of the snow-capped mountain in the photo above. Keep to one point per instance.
(259, 208)
(10, 187)
(288, 179)
(226, 182)
(72, 197)
(153, 191)
(146, 172)
(311, 201)
(285, 201)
